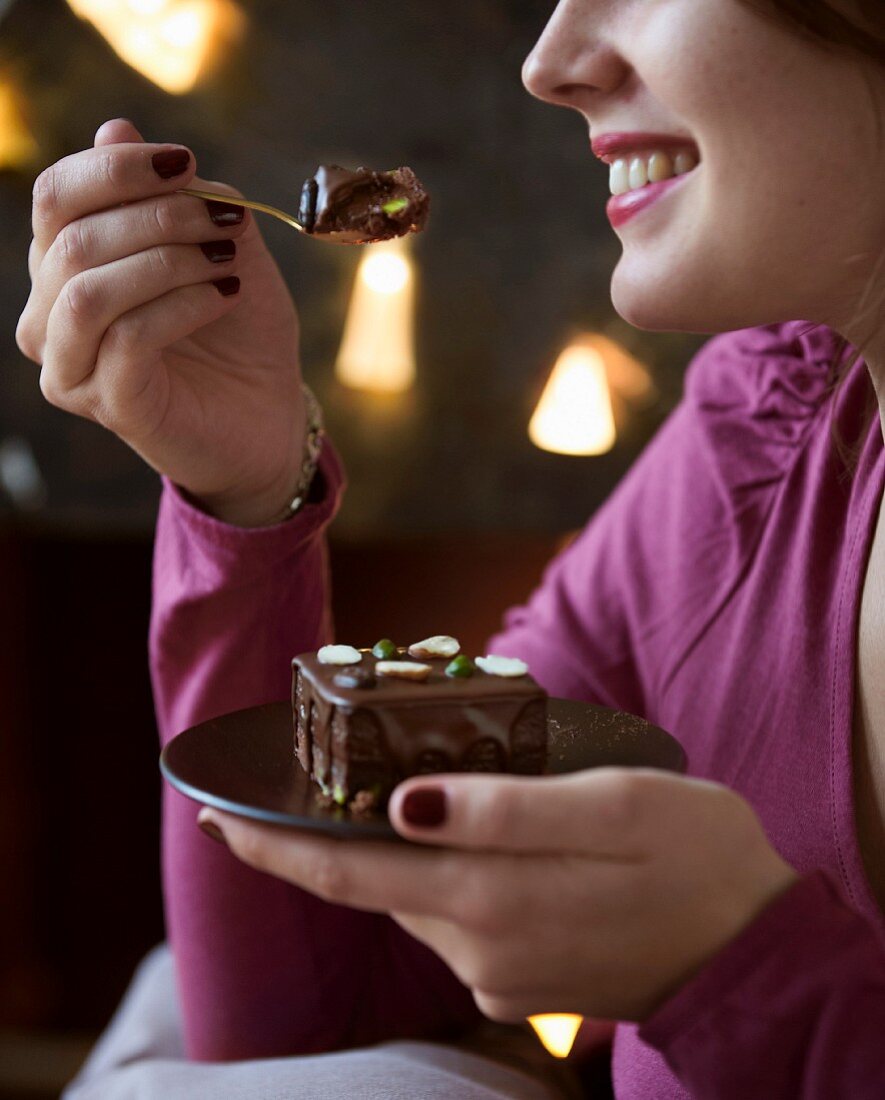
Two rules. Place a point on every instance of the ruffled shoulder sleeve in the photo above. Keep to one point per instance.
(755, 394)
(637, 587)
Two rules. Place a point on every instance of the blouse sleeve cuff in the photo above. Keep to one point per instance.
(250, 550)
(757, 967)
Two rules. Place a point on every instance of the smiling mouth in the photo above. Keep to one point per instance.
(633, 172)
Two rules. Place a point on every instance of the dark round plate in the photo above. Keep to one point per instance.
(245, 762)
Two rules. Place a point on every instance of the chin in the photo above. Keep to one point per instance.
(675, 308)
(646, 308)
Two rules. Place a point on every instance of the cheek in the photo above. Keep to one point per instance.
(773, 116)
(702, 266)
(774, 209)
(692, 298)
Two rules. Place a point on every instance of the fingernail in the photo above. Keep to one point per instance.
(228, 286)
(425, 807)
(210, 829)
(219, 251)
(171, 162)
(225, 213)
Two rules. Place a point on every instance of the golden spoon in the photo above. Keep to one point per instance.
(232, 200)
(394, 206)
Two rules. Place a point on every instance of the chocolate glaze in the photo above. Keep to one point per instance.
(348, 206)
(352, 738)
(352, 676)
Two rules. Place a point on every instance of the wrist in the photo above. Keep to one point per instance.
(311, 447)
(258, 509)
(288, 492)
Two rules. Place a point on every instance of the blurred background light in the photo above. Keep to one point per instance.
(574, 415)
(18, 147)
(377, 348)
(20, 475)
(556, 1031)
(171, 42)
(445, 494)
(588, 391)
(385, 272)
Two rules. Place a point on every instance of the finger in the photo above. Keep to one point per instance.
(513, 1010)
(125, 366)
(116, 131)
(109, 235)
(494, 965)
(371, 875)
(33, 259)
(609, 813)
(93, 300)
(125, 392)
(459, 952)
(126, 362)
(222, 214)
(104, 177)
(109, 133)
(479, 962)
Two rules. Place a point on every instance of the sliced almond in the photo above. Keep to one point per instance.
(440, 645)
(502, 666)
(403, 670)
(338, 655)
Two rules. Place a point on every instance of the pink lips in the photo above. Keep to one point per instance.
(620, 208)
(608, 147)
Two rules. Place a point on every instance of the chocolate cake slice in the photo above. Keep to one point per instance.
(362, 206)
(364, 725)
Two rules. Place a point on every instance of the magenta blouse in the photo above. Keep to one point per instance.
(716, 593)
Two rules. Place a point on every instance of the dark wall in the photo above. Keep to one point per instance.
(79, 785)
(517, 254)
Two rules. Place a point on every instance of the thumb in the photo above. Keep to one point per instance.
(116, 131)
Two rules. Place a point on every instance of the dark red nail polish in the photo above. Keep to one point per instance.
(219, 251)
(425, 807)
(171, 163)
(228, 286)
(225, 213)
(212, 830)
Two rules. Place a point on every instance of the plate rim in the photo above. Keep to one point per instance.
(348, 825)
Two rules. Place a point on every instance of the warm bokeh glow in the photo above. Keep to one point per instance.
(627, 377)
(377, 348)
(557, 1031)
(385, 272)
(168, 41)
(18, 149)
(574, 415)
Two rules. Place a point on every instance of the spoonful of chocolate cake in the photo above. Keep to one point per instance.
(349, 207)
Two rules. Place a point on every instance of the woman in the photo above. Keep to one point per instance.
(732, 590)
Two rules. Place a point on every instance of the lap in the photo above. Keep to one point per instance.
(141, 1056)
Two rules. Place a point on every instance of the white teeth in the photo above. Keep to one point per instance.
(646, 168)
(660, 167)
(618, 178)
(639, 174)
(684, 163)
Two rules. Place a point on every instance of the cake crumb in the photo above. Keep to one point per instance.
(363, 802)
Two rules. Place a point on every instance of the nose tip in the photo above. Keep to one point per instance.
(543, 78)
(556, 63)
(575, 60)
(531, 74)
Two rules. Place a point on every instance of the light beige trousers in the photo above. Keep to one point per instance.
(140, 1057)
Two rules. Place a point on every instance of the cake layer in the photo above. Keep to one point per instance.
(362, 206)
(352, 738)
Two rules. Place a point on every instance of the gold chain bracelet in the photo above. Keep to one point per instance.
(313, 445)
